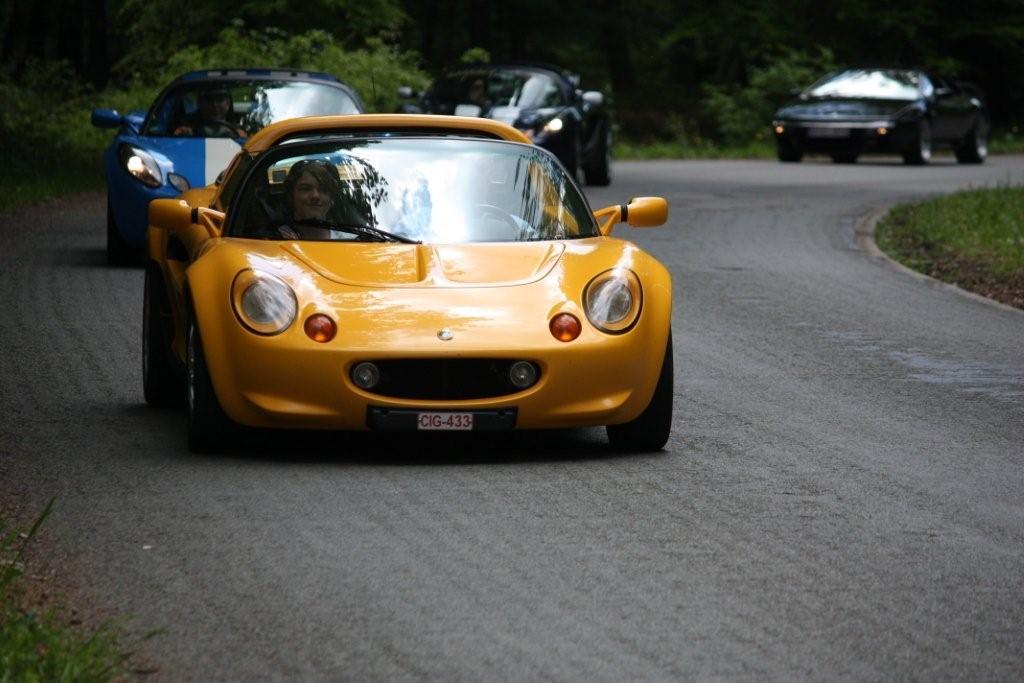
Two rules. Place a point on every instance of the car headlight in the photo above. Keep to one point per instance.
(264, 303)
(142, 165)
(554, 125)
(612, 300)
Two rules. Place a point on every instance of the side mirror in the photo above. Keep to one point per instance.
(640, 212)
(106, 118)
(173, 215)
(192, 225)
(134, 120)
(593, 98)
(211, 219)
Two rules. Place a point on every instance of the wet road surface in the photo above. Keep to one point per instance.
(841, 496)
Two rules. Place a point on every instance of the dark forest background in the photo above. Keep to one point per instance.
(691, 72)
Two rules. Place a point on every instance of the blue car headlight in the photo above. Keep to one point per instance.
(141, 165)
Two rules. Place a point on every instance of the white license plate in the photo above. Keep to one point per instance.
(828, 132)
(445, 421)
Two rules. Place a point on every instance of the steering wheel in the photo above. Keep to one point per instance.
(218, 126)
(492, 211)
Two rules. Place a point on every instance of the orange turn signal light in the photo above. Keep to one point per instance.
(320, 328)
(565, 327)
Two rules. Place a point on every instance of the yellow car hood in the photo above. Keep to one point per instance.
(428, 265)
(390, 298)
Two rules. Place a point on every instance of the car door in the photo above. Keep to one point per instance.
(951, 115)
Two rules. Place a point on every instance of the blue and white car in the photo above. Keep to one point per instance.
(194, 128)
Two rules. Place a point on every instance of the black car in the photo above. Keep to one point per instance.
(894, 111)
(542, 101)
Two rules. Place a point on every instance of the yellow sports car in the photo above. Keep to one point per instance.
(398, 272)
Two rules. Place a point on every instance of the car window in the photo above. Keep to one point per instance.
(499, 88)
(234, 175)
(941, 83)
(890, 84)
(438, 190)
(224, 108)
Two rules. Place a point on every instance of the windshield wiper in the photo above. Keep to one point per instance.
(376, 234)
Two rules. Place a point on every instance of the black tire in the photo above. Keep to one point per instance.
(162, 384)
(599, 171)
(974, 148)
(118, 251)
(919, 152)
(651, 429)
(572, 162)
(208, 427)
(845, 158)
(788, 153)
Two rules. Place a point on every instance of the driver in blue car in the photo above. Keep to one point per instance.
(212, 117)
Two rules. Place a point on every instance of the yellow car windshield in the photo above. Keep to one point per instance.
(425, 189)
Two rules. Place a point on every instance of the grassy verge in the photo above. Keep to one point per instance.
(1006, 141)
(39, 644)
(683, 150)
(33, 188)
(1002, 142)
(973, 239)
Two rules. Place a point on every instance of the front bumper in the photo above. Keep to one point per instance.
(836, 137)
(268, 382)
(290, 381)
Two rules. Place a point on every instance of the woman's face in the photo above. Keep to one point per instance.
(310, 201)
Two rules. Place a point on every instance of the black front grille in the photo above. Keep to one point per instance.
(444, 379)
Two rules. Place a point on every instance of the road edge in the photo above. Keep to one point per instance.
(864, 232)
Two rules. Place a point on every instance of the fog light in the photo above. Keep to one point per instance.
(883, 131)
(179, 182)
(522, 374)
(366, 375)
(320, 328)
(565, 327)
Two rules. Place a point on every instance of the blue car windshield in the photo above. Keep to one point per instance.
(439, 190)
(239, 108)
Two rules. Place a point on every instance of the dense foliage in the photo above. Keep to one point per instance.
(660, 56)
(46, 136)
(682, 74)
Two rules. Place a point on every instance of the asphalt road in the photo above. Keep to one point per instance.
(842, 496)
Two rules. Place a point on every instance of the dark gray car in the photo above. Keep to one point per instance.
(896, 111)
(543, 101)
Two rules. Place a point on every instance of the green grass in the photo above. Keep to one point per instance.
(33, 188)
(684, 150)
(974, 239)
(39, 645)
(1006, 141)
(1002, 142)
